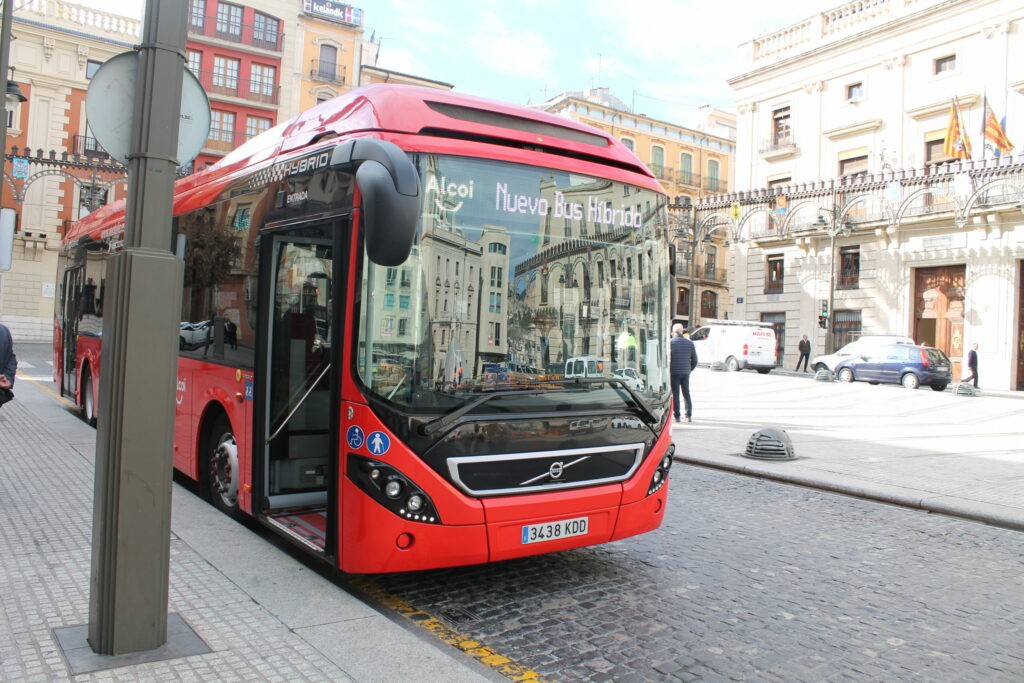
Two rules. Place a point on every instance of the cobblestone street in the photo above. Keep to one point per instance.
(750, 579)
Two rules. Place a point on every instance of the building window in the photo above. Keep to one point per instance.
(496, 276)
(495, 304)
(229, 21)
(849, 268)
(854, 167)
(779, 182)
(846, 327)
(265, 31)
(710, 263)
(389, 301)
(708, 304)
(774, 274)
(497, 248)
(403, 302)
(855, 92)
(945, 64)
(391, 276)
(782, 134)
(658, 160)
(712, 175)
(406, 277)
(225, 73)
(683, 302)
(327, 65)
(194, 61)
(935, 152)
(222, 126)
(403, 327)
(262, 80)
(91, 67)
(255, 125)
(628, 143)
(686, 168)
(197, 14)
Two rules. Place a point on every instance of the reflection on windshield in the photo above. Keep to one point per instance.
(520, 276)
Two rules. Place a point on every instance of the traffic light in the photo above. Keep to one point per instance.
(823, 321)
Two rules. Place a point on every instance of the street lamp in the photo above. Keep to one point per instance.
(835, 226)
(11, 99)
(695, 234)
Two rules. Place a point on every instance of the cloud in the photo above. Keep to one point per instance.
(511, 51)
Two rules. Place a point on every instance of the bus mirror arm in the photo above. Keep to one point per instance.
(390, 188)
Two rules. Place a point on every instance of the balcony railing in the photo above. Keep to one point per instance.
(689, 179)
(777, 145)
(329, 72)
(88, 147)
(219, 83)
(246, 34)
(225, 140)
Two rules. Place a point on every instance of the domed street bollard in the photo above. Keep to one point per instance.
(824, 376)
(961, 389)
(770, 444)
(718, 365)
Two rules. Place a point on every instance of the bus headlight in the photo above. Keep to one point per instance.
(660, 475)
(391, 489)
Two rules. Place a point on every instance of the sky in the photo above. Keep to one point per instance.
(662, 58)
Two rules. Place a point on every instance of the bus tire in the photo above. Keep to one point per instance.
(219, 466)
(88, 400)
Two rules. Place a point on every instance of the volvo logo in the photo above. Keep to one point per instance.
(555, 471)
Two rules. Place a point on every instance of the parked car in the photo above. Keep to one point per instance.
(632, 378)
(855, 348)
(195, 334)
(736, 344)
(905, 364)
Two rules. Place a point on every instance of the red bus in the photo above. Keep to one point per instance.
(348, 277)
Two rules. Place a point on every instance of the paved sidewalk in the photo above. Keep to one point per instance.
(264, 615)
(956, 455)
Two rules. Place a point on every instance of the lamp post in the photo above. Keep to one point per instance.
(834, 226)
(12, 95)
(695, 234)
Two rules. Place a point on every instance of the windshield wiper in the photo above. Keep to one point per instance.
(445, 420)
(649, 417)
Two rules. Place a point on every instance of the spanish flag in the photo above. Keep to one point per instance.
(958, 145)
(992, 131)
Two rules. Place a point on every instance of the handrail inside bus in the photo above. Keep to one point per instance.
(298, 404)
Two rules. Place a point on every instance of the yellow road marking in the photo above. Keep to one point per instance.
(45, 388)
(485, 655)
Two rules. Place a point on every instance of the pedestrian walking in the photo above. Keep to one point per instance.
(231, 334)
(805, 353)
(972, 365)
(683, 360)
(8, 365)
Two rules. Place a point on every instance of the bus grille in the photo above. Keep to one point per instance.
(513, 473)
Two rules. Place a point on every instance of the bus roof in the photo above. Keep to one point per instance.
(394, 109)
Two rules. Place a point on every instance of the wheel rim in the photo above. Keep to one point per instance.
(846, 375)
(910, 381)
(224, 469)
(733, 365)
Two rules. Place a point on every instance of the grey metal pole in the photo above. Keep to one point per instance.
(5, 57)
(829, 321)
(693, 269)
(132, 503)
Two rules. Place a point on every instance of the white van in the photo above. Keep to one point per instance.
(584, 366)
(736, 344)
(858, 346)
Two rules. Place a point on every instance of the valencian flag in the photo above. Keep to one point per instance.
(958, 145)
(992, 131)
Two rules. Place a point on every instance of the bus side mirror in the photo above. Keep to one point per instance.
(390, 188)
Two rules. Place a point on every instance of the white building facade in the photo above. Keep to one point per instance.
(846, 196)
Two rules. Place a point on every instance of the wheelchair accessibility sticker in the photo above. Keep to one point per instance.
(354, 437)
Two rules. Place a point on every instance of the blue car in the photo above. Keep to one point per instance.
(903, 364)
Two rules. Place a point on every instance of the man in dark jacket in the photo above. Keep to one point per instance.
(972, 364)
(683, 361)
(8, 365)
(805, 353)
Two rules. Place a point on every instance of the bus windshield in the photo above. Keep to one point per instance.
(520, 278)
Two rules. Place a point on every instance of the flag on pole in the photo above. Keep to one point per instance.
(958, 145)
(993, 132)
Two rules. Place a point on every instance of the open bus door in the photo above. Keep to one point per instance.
(74, 279)
(296, 469)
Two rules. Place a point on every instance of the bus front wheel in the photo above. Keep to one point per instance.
(221, 467)
(88, 401)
